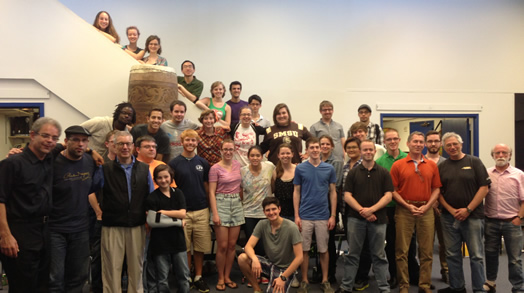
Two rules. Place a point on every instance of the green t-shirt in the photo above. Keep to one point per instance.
(278, 246)
(387, 161)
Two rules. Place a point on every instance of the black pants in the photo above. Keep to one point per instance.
(29, 272)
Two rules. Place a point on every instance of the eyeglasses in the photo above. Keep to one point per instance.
(48, 136)
(352, 147)
(148, 146)
(228, 150)
(418, 172)
(121, 144)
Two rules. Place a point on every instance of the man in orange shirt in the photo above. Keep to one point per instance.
(417, 186)
(146, 153)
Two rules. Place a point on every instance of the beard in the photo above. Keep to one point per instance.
(433, 150)
(501, 162)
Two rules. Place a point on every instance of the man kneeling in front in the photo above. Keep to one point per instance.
(283, 245)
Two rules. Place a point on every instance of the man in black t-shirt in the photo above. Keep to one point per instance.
(152, 128)
(465, 183)
(74, 179)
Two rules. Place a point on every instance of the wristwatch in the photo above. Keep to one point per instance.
(283, 277)
(469, 210)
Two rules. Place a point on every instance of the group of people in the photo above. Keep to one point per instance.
(104, 24)
(248, 172)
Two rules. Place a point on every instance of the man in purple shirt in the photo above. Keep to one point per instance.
(235, 88)
(504, 210)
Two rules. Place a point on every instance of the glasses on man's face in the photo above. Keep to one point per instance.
(149, 146)
(228, 150)
(121, 144)
(48, 136)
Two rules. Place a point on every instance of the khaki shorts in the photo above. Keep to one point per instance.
(320, 227)
(197, 230)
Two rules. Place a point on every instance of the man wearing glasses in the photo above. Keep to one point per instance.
(433, 145)
(417, 186)
(26, 181)
(126, 184)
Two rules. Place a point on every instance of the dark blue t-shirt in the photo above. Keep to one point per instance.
(190, 175)
(73, 181)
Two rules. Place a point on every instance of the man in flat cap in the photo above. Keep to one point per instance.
(74, 178)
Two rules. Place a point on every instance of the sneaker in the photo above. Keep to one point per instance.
(264, 281)
(361, 285)
(490, 288)
(326, 287)
(449, 290)
(201, 285)
(304, 287)
(295, 283)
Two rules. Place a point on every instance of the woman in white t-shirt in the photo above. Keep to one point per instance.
(245, 135)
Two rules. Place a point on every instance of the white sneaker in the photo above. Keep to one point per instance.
(295, 283)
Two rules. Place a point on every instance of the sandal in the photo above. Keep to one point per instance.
(232, 285)
(221, 287)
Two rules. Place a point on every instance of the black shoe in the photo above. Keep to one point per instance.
(340, 290)
(201, 285)
(361, 285)
(393, 283)
(449, 290)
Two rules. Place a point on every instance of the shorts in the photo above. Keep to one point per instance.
(320, 227)
(230, 211)
(271, 270)
(197, 230)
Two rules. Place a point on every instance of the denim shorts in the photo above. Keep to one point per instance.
(230, 211)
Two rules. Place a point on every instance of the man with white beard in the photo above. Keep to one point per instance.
(504, 210)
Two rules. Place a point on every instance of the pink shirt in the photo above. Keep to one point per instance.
(505, 193)
(227, 182)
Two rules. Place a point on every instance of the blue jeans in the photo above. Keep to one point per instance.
(376, 234)
(455, 232)
(69, 266)
(180, 268)
(513, 239)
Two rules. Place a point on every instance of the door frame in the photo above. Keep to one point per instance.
(475, 118)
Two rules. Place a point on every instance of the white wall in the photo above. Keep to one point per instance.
(351, 52)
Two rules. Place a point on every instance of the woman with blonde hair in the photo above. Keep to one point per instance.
(217, 104)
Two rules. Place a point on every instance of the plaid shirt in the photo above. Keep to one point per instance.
(378, 138)
(209, 145)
